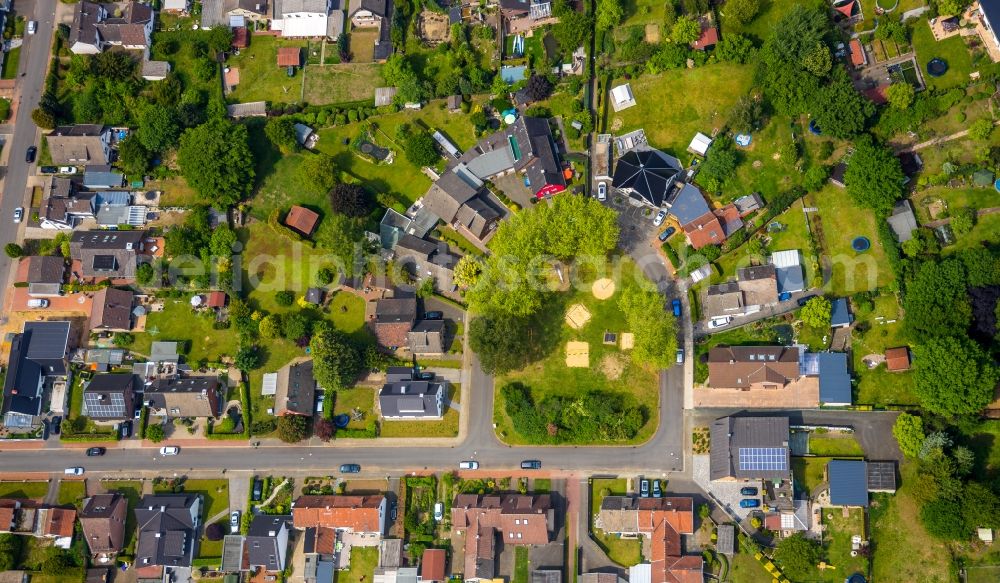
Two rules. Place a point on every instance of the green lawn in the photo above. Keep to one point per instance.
(363, 44)
(261, 79)
(835, 445)
(71, 493)
(348, 400)
(808, 472)
(904, 550)
(342, 83)
(176, 192)
(215, 496)
(182, 61)
(841, 222)
(743, 568)
(10, 63)
(954, 198)
(33, 490)
(347, 311)
(772, 175)
(642, 11)
(987, 229)
(447, 427)
(625, 552)
(984, 439)
(363, 563)
(563, 103)
(952, 50)
(792, 236)
(541, 486)
(551, 376)
(760, 27)
(672, 108)
(878, 386)
(178, 323)
(522, 571)
(837, 538)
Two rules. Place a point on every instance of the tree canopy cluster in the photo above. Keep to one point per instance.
(594, 416)
(655, 329)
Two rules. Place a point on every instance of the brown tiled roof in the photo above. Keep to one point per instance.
(112, 309)
(300, 218)
(738, 367)
(709, 38)
(663, 520)
(518, 519)
(59, 522)
(46, 269)
(432, 565)
(705, 230)
(103, 521)
(897, 359)
(215, 299)
(326, 540)
(356, 513)
(289, 57)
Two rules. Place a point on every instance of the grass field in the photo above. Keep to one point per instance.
(841, 222)
(625, 552)
(176, 192)
(177, 323)
(215, 496)
(878, 386)
(33, 490)
(642, 11)
(839, 530)
(182, 61)
(71, 493)
(808, 472)
(760, 27)
(522, 571)
(834, 445)
(954, 198)
(772, 175)
(952, 50)
(10, 63)
(363, 563)
(743, 568)
(362, 398)
(987, 229)
(551, 376)
(984, 439)
(672, 108)
(363, 44)
(261, 79)
(794, 235)
(342, 83)
(903, 549)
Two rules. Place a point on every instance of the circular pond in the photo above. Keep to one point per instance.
(861, 244)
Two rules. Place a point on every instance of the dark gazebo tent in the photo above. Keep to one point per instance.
(648, 175)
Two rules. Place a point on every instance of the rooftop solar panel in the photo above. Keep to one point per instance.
(763, 458)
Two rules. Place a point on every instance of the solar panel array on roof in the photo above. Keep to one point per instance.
(105, 405)
(105, 263)
(763, 458)
(882, 476)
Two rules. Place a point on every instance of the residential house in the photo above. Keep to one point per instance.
(249, 10)
(405, 396)
(789, 520)
(302, 220)
(66, 212)
(478, 521)
(778, 376)
(754, 288)
(647, 176)
(37, 355)
(897, 359)
(327, 518)
(526, 14)
(80, 144)
(56, 524)
(457, 197)
(525, 147)
(393, 320)
(702, 225)
(427, 337)
(45, 276)
(96, 27)
(103, 522)
(851, 480)
(749, 448)
(266, 544)
(788, 268)
(661, 522)
(114, 207)
(423, 258)
(902, 221)
(752, 367)
(112, 310)
(167, 526)
(418, 221)
(295, 391)
(432, 566)
(102, 177)
(306, 19)
(110, 397)
(106, 254)
(374, 13)
(197, 396)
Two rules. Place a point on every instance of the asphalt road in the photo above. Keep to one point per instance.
(34, 66)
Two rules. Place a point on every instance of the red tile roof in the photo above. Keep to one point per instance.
(432, 565)
(664, 520)
(709, 38)
(705, 230)
(59, 522)
(302, 219)
(215, 299)
(897, 359)
(289, 56)
(356, 513)
(241, 38)
(858, 58)
(519, 519)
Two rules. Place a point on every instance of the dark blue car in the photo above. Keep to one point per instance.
(749, 503)
(676, 304)
(350, 469)
(748, 491)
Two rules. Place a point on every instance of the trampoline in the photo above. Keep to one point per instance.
(937, 67)
(814, 129)
(856, 578)
(341, 421)
(996, 184)
(861, 244)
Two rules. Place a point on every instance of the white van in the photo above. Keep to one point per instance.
(720, 321)
(38, 303)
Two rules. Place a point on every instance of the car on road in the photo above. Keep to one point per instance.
(666, 233)
(749, 503)
(438, 511)
(658, 220)
(469, 465)
(56, 425)
(394, 511)
(784, 296)
(48, 169)
(350, 469)
(67, 170)
(657, 492)
(234, 522)
(32, 27)
(680, 356)
(29, 156)
(434, 315)
(38, 303)
(170, 450)
(720, 321)
(531, 465)
(748, 491)
(95, 451)
(602, 191)
(125, 429)
(18, 214)
(644, 488)
(77, 471)
(805, 300)
(675, 304)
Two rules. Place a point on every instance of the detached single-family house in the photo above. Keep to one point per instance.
(295, 391)
(112, 310)
(306, 19)
(378, 14)
(404, 396)
(754, 288)
(989, 13)
(701, 224)
(394, 318)
(103, 521)
(266, 544)
(197, 396)
(458, 198)
(750, 448)
(38, 353)
(647, 176)
(106, 254)
(423, 258)
(96, 27)
(167, 526)
(479, 522)
(752, 367)
(80, 144)
(110, 397)
(427, 337)
(46, 275)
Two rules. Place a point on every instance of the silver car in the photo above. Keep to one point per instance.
(659, 218)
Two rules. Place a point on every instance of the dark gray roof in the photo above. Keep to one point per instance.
(46, 269)
(991, 9)
(412, 399)
(546, 576)
(262, 542)
(736, 441)
(107, 253)
(756, 272)
(688, 204)
(848, 482)
(834, 379)
(840, 313)
(396, 310)
(882, 476)
(647, 174)
(38, 351)
(110, 396)
(726, 542)
(538, 158)
(902, 220)
(427, 337)
(165, 530)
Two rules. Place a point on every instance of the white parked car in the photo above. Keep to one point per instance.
(680, 356)
(470, 465)
(78, 471)
(170, 450)
(438, 512)
(659, 218)
(38, 303)
(18, 214)
(720, 321)
(234, 522)
(602, 191)
(67, 170)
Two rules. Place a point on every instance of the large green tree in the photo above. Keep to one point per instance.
(742, 11)
(654, 328)
(686, 30)
(937, 301)
(954, 375)
(293, 428)
(216, 161)
(909, 433)
(838, 108)
(798, 556)
(503, 344)
(816, 313)
(281, 132)
(336, 362)
(873, 178)
(942, 518)
(158, 128)
(609, 14)
(133, 157)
